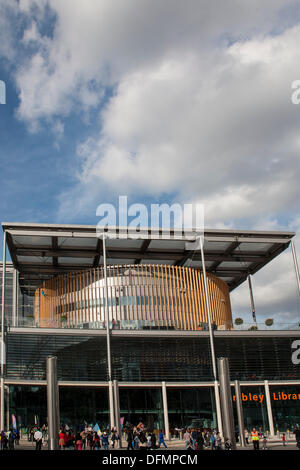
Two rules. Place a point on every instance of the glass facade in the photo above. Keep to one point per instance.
(254, 408)
(286, 407)
(83, 357)
(187, 407)
(191, 407)
(142, 405)
(78, 405)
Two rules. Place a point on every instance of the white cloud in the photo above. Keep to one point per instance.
(200, 110)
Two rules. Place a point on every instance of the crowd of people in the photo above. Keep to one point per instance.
(9, 439)
(137, 438)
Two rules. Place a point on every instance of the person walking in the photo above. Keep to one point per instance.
(255, 439)
(283, 440)
(38, 437)
(161, 439)
(246, 433)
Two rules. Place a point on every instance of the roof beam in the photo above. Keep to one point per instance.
(141, 254)
(55, 249)
(99, 250)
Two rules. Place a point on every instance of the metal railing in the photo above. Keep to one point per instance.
(153, 325)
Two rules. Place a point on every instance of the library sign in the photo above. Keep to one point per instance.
(277, 396)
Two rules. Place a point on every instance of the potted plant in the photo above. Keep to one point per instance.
(238, 321)
(253, 328)
(269, 322)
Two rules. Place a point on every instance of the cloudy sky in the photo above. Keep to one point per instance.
(163, 101)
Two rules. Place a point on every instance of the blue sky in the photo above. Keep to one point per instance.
(160, 101)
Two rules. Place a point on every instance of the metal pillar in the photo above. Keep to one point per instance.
(52, 402)
(39, 307)
(165, 406)
(252, 300)
(7, 406)
(14, 299)
(211, 337)
(117, 411)
(111, 404)
(106, 310)
(218, 407)
(240, 414)
(2, 393)
(269, 408)
(226, 400)
(296, 265)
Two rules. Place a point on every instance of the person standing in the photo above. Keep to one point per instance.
(200, 440)
(228, 444)
(255, 439)
(246, 433)
(11, 440)
(4, 440)
(161, 439)
(153, 441)
(187, 437)
(61, 440)
(297, 436)
(218, 441)
(78, 441)
(104, 439)
(129, 439)
(283, 440)
(38, 437)
(264, 442)
(97, 444)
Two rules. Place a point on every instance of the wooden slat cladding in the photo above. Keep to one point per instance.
(139, 297)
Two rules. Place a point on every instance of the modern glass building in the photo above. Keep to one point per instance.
(57, 300)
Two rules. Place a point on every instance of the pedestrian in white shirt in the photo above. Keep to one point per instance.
(38, 437)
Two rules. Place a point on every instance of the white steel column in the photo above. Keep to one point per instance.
(240, 414)
(106, 310)
(226, 400)
(14, 299)
(252, 300)
(52, 402)
(211, 337)
(165, 405)
(2, 394)
(7, 406)
(111, 404)
(218, 407)
(269, 407)
(117, 410)
(296, 265)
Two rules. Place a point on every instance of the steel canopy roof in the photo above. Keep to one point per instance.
(41, 251)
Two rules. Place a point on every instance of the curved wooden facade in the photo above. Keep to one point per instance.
(139, 297)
